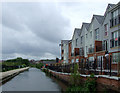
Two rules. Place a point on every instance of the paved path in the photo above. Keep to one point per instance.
(8, 73)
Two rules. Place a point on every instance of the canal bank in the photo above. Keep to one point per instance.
(103, 82)
(5, 76)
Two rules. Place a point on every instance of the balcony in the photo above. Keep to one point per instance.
(115, 42)
(115, 21)
(81, 51)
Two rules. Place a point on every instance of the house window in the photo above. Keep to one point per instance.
(97, 33)
(116, 57)
(91, 33)
(76, 41)
(106, 29)
(86, 36)
(114, 14)
(105, 45)
(114, 18)
(114, 40)
(81, 39)
(90, 46)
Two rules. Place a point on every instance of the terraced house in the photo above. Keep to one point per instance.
(97, 43)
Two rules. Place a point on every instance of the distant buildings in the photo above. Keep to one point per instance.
(95, 40)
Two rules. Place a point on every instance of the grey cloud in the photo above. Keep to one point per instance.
(33, 29)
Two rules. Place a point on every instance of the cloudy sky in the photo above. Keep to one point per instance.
(34, 30)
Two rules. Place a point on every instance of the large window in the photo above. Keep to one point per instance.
(97, 33)
(114, 14)
(106, 29)
(115, 18)
(116, 57)
(115, 39)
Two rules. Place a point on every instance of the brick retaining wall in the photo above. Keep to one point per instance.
(103, 81)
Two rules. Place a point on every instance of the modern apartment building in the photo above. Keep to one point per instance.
(75, 45)
(64, 51)
(97, 42)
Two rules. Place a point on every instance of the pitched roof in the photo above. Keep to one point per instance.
(108, 7)
(64, 41)
(77, 30)
(111, 5)
(86, 25)
(99, 18)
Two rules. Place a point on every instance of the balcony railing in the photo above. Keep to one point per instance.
(115, 42)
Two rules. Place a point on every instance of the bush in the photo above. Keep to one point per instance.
(78, 86)
(90, 84)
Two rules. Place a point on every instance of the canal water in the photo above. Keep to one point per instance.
(33, 80)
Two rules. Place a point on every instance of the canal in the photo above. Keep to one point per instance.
(33, 80)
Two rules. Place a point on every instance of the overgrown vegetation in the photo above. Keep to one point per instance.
(77, 85)
(39, 65)
(14, 64)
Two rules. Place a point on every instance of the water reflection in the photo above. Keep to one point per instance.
(32, 80)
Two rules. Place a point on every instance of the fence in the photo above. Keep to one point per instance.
(84, 68)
